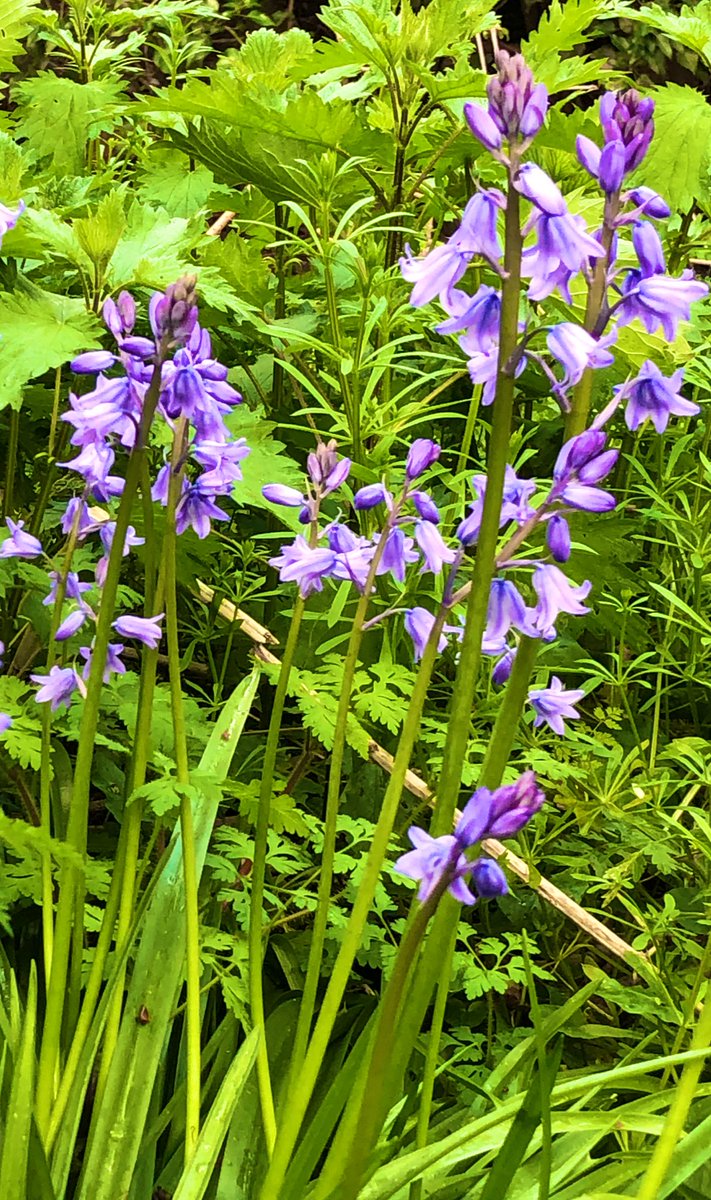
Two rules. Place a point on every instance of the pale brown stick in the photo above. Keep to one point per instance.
(221, 223)
(418, 788)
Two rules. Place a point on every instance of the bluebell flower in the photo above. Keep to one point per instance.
(434, 549)
(56, 688)
(479, 315)
(20, 544)
(649, 249)
(562, 249)
(418, 624)
(558, 537)
(143, 629)
(443, 267)
(517, 104)
(506, 609)
(556, 594)
(577, 351)
(308, 566)
(501, 672)
(71, 624)
(553, 705)
(9, 217)
(582, 462)
(655, 397)
(5, 722)
(119, 315)
(650, 202)
(398, 553)
(221, 464)
(114, 663)
(74, 589)
(279, 493)
(627, 118)
(196, 510)
(422, 454)
(659, 301)
(92, 362)
(425, 505)
(173, 314)
(370, 496)
(488, 878)
(432, 860)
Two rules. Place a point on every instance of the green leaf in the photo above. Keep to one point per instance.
(691, 26)
(679, 159)
(39, 330)
(15, 23)
(99, 234)
(551, 50)
(168, 182)
(57, 117)
(18, 1114)
(267, 462)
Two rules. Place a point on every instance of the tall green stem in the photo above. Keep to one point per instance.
(11, 462)
(256, 952)
(302, 1087)
(72, 878)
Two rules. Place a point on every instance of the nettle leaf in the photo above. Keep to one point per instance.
(691, 26)
(274, 59)
(39, 331)
(678, 162)
(560, 31)
(168, 182)
(267, 463)
(242, 265)
(57, 117)
(16, 20)
(152, 249)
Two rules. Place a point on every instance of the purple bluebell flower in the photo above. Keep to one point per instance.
(501, 813)
(398, 553)
(114, 663)
(77, 510)
(194, 385)
(556, 594)
(5, 722)
(106, 533)
(562, 249)
(558, 537)
(659, 301)
(57, 688)
(501, 672)
(119, 315)
(221, 463)
(652, 204)
(20, 544)
(337, 477)
(2, 651)
(517, 105)
(443, 267)
(142, 629)
(482, 126)
(196, 510)
(422, 454)
(554, 703)
(435, 550)
(73, 589)
(538, 187)
(506, 609)
(173, 314)
(9, 217)
(488, 878)
(648, 247)
(419, 623)
(434, 859)
(353, 554)
(582, 462)
(303, 564)
(92, 362)
(577, 350)
(71, 624)
(654, 396)
(425, 505)
(627, 118)
(279, 493)
(326, 471)
(514, 504)
(479, 315)
(370, 496)
(606, 165)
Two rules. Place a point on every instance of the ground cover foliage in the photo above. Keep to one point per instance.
(215, 980)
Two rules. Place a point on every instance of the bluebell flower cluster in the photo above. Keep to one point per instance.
(194, 399)
(443, 862)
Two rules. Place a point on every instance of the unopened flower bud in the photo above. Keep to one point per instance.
(558, 538)
(488, 878)
(517, 106)
(612, 167)
(369, 496)
(483, 126)
(279, 493)
(648, 246)
(422, 454)
(174, 314)
(654, 205)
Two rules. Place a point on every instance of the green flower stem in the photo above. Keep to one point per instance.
(484, 564)
(328, 853)
(256, 900)
(577, 419)
(72, 877)
(182, 775)
(509, 714)
(472, 414)
(13, 437)
(678, 1111)
(302, 1088)
(430, 1072)
(55, 411)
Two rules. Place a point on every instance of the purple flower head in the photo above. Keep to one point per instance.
(514, 504)
(433, 860)
(143, 629)
(107, 531)
(120, 315)
(325, 469)
(506, 609)
(477, 232)
(434, 549)
(308, 566)
(627, 118)
(398, 553)
(478, 315)
(370, 496)
(419, 623)
(442, 268)
(9, 217)
(553, 704)
(558, 538)
(20, 544)
(337, 477)
(582, 463)
(654, 396)
(648, 246)
(92, 362)
(650, 202)
(556, 594)
(196, 510)
(562, 249)
(173, 314)
(73, 590)
(517, 105)
(482, 126)
(114, 662)
(77, 510)
(501, 813)
(577, 350)
(57, 688)
(533, 183)
(71, 624)
(279, 493)
(221, 461)
(422, 454)
(606, 165)
(5, 722)
(659, 301)
(488, 879)
(425, 505)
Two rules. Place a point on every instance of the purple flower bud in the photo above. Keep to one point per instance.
(558, 538)
(488, 878)
(589, 155)
(19, 544)
(534, 112)
(654, 205)
(517, 106)
(482, 126)
(305, 515)
(126, 306)
(338, 476)
(612, 167)
(71, 625)
(502, 669)
(425, 505)
(143, 629)
(369, 496)
(533, 183)
(423, 452)
(92, 362)
(648, 246)
(279, 493)
(5, 722)
(139, 347)
(174, 314)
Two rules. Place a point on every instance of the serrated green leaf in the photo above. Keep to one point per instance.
(99, 233)
(691, 26)
(267, 463)
(679, 159)
(550, 51)
(57, 117)
(39, 330)
(16, 19)
(167, 182)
